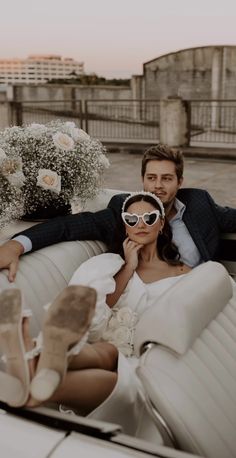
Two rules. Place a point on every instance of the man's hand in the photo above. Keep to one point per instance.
(9, 257)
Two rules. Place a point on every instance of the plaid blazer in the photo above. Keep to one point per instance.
(204, 219)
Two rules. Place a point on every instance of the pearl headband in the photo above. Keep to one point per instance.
(145, 193)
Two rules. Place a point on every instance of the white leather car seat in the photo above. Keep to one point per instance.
(44, 273)
(189, 372)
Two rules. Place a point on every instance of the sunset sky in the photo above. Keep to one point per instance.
(113, 37)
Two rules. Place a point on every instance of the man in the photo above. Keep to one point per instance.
(196, 220)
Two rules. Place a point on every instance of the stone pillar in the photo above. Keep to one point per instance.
(5, 110)
(174, 122)
(216, 86)
(137, 96)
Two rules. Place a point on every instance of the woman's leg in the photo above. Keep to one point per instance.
(89, 381)
(90, 378)
(84, 390)
(100, 355)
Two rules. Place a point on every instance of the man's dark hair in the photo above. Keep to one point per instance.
(162, 152)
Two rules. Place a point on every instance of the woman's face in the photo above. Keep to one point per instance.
(143, 233)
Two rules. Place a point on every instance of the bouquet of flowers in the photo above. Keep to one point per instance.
(47, 166)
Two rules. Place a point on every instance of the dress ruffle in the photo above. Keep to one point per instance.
(98, 272)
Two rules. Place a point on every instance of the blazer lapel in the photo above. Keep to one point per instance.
(194, 230)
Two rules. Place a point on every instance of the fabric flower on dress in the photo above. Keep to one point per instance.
(127, 350)
(113, 323)
(49, 180)
(127, 317)
(122, 335)
(120, 329)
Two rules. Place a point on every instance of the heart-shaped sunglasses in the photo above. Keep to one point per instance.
(132, 219)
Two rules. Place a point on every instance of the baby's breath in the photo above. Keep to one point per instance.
(58, 163)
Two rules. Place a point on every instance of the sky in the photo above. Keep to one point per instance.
(113, 37)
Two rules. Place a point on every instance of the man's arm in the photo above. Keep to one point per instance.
(226, 216)
(98, 225)
(83, 226)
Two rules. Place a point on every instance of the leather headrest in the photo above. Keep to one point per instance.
(182, 312)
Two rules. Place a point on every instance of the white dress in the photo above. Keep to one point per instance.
(117, 326)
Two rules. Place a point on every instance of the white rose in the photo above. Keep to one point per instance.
(127, 317)
(76, 134)
(10, 165)
(63, 141)
(47, 179)
(37, 130)
(36, 125)
(70, 124)
(82, 136)
(76, 206)
(121, 336)
(71, 129)
(104, 161)
(2, 155)
(16, 179)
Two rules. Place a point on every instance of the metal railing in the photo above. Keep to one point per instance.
(46, 111)
(213, 122)
(124, 120)
(108, 120)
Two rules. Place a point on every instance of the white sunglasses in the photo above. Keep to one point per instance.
(131, 219)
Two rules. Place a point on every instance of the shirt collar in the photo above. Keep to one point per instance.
(180, 209)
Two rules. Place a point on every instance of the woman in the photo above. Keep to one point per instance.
(126, 284)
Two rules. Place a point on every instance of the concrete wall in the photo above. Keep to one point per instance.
(197, 73)
(67, 92)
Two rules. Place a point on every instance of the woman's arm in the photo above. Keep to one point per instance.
(121, 278)
(131, 252)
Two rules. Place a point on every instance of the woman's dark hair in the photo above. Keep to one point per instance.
(167, 250)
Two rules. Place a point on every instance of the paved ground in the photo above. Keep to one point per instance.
(215, 175)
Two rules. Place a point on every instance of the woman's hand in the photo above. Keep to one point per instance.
(131, 253)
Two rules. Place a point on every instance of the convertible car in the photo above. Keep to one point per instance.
(187, 365)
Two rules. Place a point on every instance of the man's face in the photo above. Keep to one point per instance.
(160, 178)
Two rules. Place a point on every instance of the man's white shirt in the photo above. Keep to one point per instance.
(189, 253)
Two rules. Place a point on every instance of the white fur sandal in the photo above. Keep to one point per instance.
(13, 349)
(64, 333)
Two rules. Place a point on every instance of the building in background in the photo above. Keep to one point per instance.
(39, 69)
(207, 72)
